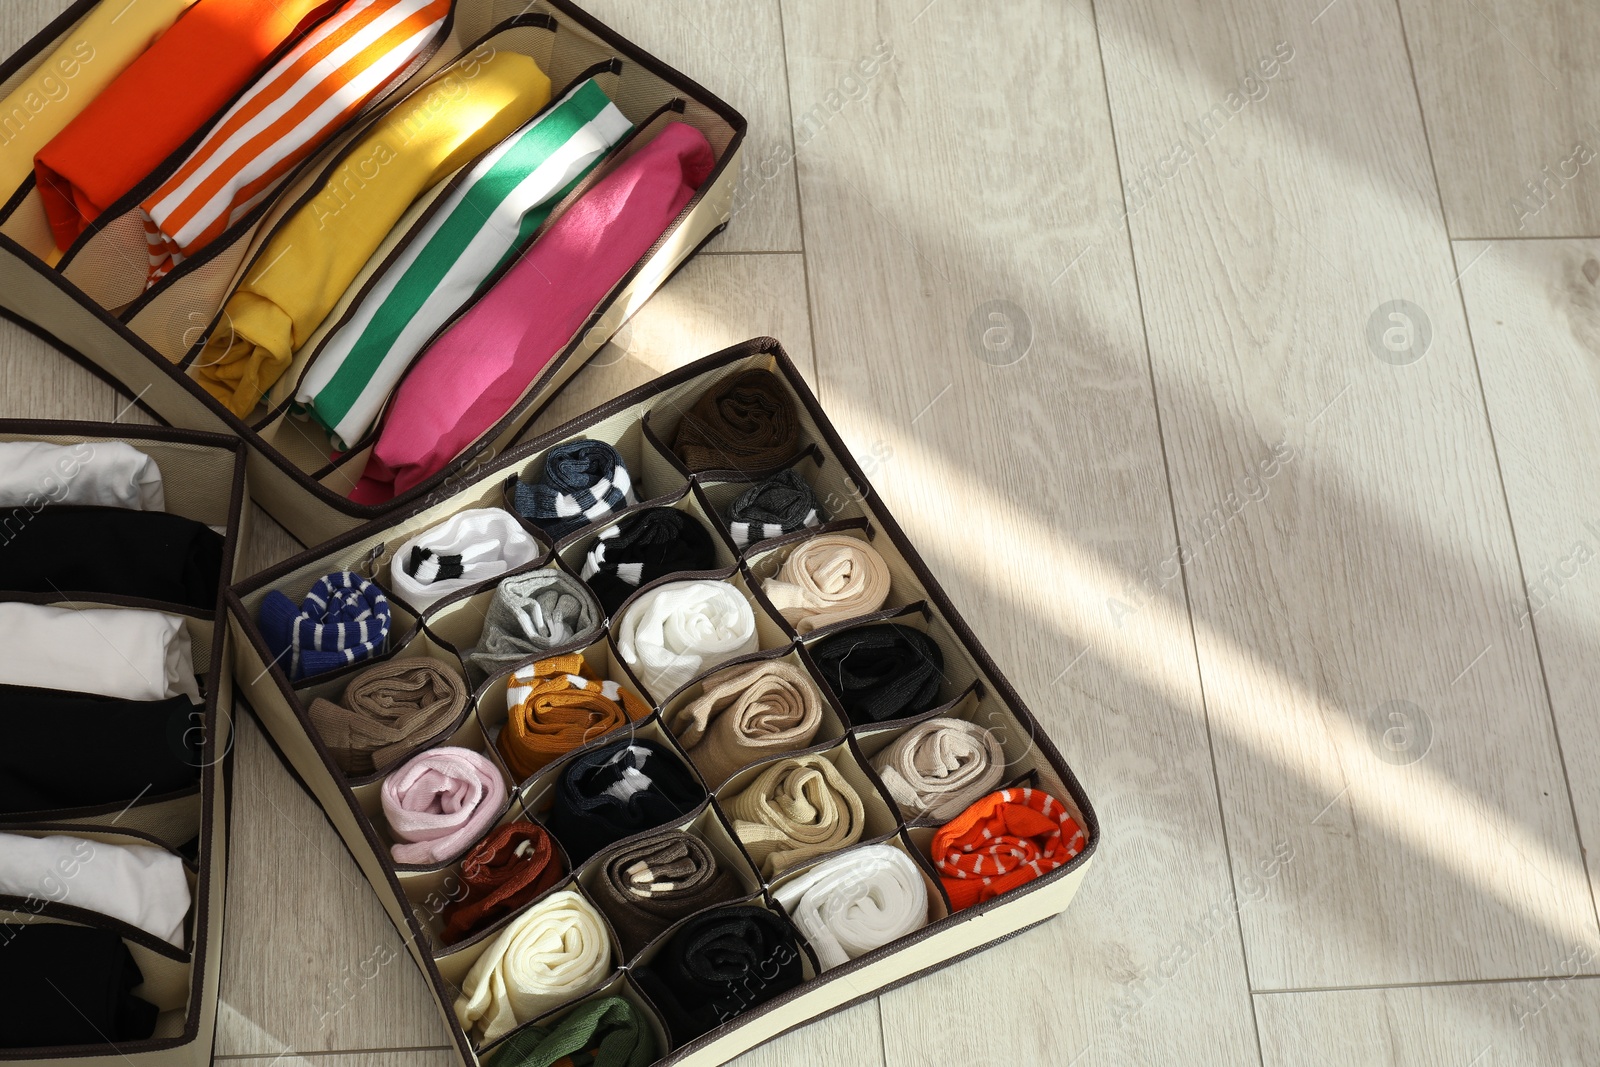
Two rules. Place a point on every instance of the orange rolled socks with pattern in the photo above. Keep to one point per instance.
(160, 101)
(1005, 840)
(557, 705)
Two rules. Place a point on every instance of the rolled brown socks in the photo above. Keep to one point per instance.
(746, 423)
(745, 714)
(796, 810)
(646, 886)
(827, 579)
(511, 867)
(938, 768)
(386, 712)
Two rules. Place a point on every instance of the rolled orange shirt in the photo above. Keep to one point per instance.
(162, 99)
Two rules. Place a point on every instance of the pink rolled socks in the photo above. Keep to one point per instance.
(440, 803)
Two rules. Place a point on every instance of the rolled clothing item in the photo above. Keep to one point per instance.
(111, 474)
(69, 985)
(797, 809)
(553, 952)
(745, 423)
(441, 801)
(284, 117)
(783, 504)
(71, 750)
(511, 867)
(473, 375)
(747, 713)
(646, 886)
(607, 1032)
(137, 121)
(880, 672)
(70, 548)
(720, 965)
(316, 253)
(643, 547)
(532, 614)
(557, 705)
(467, 549)
(616, 791)
(129, 653)
(141, 885)
(678, 631)
(491, 212)
(582, 482)
(387, 711)
(938, 768)
(827, 579)
(857, 901)
(344, 619)
(89, 57)
(1004, 841)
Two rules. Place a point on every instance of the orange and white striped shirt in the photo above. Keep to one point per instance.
(284, 117)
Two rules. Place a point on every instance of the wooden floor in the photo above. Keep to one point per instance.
(1238, 366)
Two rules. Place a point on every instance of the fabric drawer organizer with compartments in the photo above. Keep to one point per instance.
(637, 424)
(203, 479)
(91, 299)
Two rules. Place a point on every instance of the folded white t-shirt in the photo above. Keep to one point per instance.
(108, 473)
(142, 885)
(130, 653)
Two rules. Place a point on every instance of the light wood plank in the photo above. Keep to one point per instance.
(712, 303)
(735, 49)
(1502, 1024)
(311, 961)
(1508, 90)
(1377, 564)
(976, 167)
(1534, 309)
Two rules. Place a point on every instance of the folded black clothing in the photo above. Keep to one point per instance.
(153, 555)
(881, 672)
(616, 791)
(74, 750)
(69, 985)
(646, 545)
(719, 965)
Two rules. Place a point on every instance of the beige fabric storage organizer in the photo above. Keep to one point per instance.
(638, 423)
(204, 479)
(92, 305)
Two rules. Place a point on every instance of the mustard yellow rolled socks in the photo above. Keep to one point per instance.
(87, 60)
(302, 271)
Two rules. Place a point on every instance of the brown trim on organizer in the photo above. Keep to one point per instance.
(13, 820)
(15, 200)
(45, 37)
(82, 360)
(173, 162)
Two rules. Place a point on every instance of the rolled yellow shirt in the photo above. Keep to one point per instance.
(301, 273)
(88, 58)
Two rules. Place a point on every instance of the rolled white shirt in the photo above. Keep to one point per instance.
(131, 653)
(556, 950)
(490, 542)
(678, 631)
(857, 901)
(142, 885)
(109, 473)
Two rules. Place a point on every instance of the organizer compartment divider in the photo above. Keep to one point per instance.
(204, 479)
(640, 423)
(148, 351)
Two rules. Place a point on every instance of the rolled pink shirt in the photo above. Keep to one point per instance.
(471, 376)
(440, 803)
